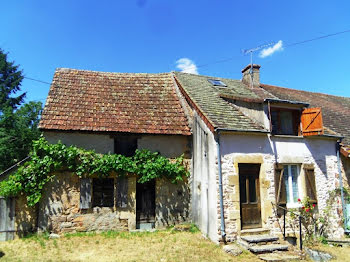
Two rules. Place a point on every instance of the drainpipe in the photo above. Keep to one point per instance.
(341, 186)
(223, 233)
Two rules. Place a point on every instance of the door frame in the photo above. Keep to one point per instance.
(138, 188)
(258, 195)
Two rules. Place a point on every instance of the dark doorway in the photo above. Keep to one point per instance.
(249, 195)
(145, 205)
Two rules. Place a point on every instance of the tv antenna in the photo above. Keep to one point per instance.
(251, 51)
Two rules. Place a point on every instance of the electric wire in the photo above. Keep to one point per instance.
(231, 58)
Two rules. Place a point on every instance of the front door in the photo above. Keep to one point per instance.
(249, 195)
(145, 204)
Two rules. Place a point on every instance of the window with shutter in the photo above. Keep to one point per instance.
(287, 179)
(310, 184)
(122, 192)
(311, 121)
(85, 193)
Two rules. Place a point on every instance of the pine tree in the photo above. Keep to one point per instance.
(18, 121)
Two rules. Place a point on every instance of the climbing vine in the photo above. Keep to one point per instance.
(46, 159)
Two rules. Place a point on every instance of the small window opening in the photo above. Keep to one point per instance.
(216, 82)
(125, 145)
(103, 192)
(285, 121)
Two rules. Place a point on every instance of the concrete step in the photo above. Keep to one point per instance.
(278, 257)
(267, 248)
(255, 231)
(254, 239)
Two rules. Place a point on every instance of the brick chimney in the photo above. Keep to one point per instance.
(247, 79)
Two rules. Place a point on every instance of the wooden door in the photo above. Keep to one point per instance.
(145, 202)
(249, 195)
(7, 218)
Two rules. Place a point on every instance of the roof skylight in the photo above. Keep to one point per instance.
(216, 82)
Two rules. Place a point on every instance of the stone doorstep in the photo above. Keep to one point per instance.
(255, 231)
(254, 239)
(268, 248)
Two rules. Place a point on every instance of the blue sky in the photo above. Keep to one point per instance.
(151, 35)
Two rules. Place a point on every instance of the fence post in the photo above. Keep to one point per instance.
(284, 224)
(300, 236)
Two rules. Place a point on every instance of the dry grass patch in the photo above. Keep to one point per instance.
(119, 246)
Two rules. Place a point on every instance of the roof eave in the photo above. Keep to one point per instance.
(274, 100)
(263, 131)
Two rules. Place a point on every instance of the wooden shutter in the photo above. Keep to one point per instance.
(122, 192)
(310, 184)
(281, 196)
(311, 121)
(85, 193)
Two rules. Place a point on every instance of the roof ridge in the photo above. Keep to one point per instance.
(214, 77)
(304, 91)
(65, 69)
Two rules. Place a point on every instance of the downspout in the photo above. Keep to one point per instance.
(223, 233)
(341, 185)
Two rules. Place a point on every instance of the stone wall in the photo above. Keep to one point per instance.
(59, 210)
(172, 203)
(25, 217)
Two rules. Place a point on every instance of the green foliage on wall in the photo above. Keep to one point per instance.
(46, 159)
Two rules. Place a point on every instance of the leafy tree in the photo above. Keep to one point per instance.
(18, 121)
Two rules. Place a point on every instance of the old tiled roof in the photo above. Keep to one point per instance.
(113, 102)
(209, 100)
(335, 109)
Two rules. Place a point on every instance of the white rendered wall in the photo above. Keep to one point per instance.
(204, 180)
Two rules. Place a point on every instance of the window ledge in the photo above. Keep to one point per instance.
(294, 205)
(287, 136)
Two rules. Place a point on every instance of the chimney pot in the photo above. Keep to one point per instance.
(247, 78)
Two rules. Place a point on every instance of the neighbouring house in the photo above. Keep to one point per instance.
(110, 113)
(253, 149)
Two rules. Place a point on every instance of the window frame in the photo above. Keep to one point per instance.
(296, 120)
(291, 203)
(93, 202)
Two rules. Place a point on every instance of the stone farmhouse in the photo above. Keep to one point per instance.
(248, 146)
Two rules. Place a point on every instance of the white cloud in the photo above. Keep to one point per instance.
(187, 66)
(270, 50)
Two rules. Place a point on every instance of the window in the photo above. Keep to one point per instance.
(216, 82)
(103, 192)
(291, 183)
(289, 186)
(125, 145)
(285, 121)
(100, 192)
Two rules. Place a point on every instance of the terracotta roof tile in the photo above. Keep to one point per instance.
(114, 102)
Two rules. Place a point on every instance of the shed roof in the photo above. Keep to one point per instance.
(82, 100)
